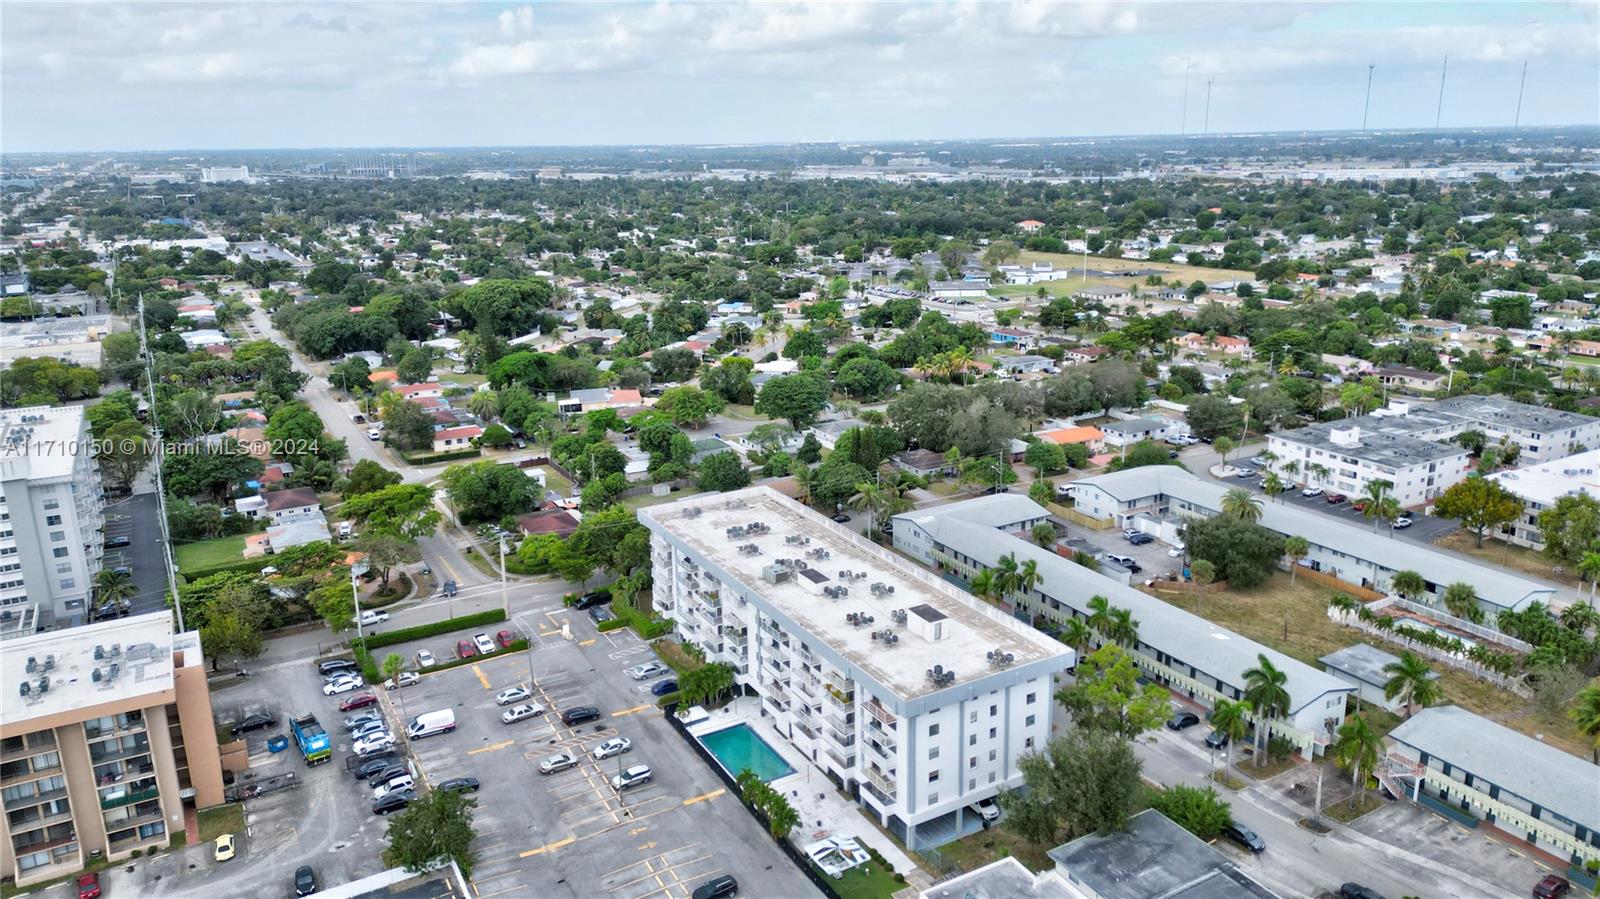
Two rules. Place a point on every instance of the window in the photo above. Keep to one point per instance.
(57, 536)
(972, 717)
(60, 552)
(972, 739)
(1028, 743)
(972, 761)
(1028, 721)
(51, 504)
(68, 583)
(994, 710)
(63, 568)
(53, 520)
(933, 798)
(933, 730)
(993, 732)
(992, 754)
(1032, 697)
(933, 753)
(972, 783)
(933, 777)
(991, 777)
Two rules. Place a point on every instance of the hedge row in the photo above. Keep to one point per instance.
(417, 457)
(516, 646)
(246, 565)
(646, 626)
(389, 638)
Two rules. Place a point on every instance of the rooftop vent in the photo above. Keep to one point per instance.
(835, 592)
(882, 589)
(886, 637)
(859, 619)
(999, 658)
(693, 512)
(750, 549)
(898, 616)
(797, 540)
(939, 677)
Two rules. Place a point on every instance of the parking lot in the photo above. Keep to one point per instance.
(571, 833)
(131, 517)
(1423, 528)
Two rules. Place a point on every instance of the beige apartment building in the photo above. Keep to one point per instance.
(106, 734)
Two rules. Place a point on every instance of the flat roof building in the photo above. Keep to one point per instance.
(903, 688)
(1346, 455)
(1540, 486)
(52, 513)
(106, 734)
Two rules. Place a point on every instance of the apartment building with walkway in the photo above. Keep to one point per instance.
(914, 697)
(106, 735)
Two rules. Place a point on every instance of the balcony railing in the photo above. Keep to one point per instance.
(877, 710)
(101, 757)
(35, 798)
(839, 680)
(885, 788)
(129, 797)
(133, 724)
(805, 728)
(845, 760)
(739, 638)
(837, 697)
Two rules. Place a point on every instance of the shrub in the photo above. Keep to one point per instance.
(611, 625)
(516, 646)
(389, 638)
(369, 667)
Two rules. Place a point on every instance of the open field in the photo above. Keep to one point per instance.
(979, 849)
(1072, 262)
(209, 553)
(1505, 555)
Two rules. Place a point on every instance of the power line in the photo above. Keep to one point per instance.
(1368, 102)
(161, 490)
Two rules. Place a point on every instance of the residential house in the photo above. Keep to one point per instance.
(1200, 343)
(1017, 365)
(425, 390)
(1407, 378)
(1348, 366)
(1030, 226)
(959, 290)
(1012, 337)
(1092, 438)
(579, 401)
(1540, 486)
(291, 503)
(1363, 665)
(1106, 294)
(1127, 433)
(922, 463)
(1084, 354)
(459, 437)
(560, 522)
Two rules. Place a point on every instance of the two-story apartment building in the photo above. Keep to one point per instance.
(52, 514)
(914, 697)
(1541, 486)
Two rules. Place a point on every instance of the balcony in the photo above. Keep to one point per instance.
(136, 816)
(35, 743)
(882, 751)
(836, 697)
(44, 840)
(839, 681)
(771, 633)
(885, 786)
(739, 638)
(842, 759)
(113, 774)
(880, 714)
(119, 798)
(805, 728)
(20, 771)
(807, 657)
(35, 798)
(97, 756)
(32, 818)
(118, 724)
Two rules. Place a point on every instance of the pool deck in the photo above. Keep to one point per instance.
(823, 811)
(790, 769)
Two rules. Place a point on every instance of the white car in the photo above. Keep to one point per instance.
(372, 434)
(518, 712)
(340, 685)
(561, 761)
(425, 659)
(403, 679)
(373, 616)
(375, 743)
(987, 809)
(485, 645)
(1311, 491)
(403, 782)
(1402, 522)
(646, 671)
(369, 727)
(512, 694)
(1176, 550)
(611, 747)
(633, 777)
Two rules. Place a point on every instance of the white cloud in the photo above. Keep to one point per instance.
(516, 22)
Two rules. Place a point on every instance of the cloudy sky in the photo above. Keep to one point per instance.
(103, 76)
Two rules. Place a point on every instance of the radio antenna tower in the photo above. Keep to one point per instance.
(1517, 122)
(1367, 104)
(1183, 129)
(1206, 128)
(1438, 113)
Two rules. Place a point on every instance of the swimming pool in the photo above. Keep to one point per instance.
(739, 747)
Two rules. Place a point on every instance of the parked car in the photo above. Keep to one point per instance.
(341, 685)
(403, 679)
(512, 694)
(611, 747)
(354, 721)
(254, 722)
(1335, 498)
(465, 649)
(368, 770)
(986, 809)
(425, 659)
(1402, 522)
(718, 887)
(1126, 562)
(646, 671)
(1311, 491)
(393, 802)
(1357, 891)
(1177, 549)
(1131, 533)
(386, 772)
(1217, 740)
(89, 886)
(590, 600)
(1551, 886)
(601, 613)
(369, 728)
(561, 761)
(841, 518)
(123, 569)
(374, 434)
(1245, 837)
(224, 849)
(1359, 505)
(305, 881)
(459, 785)
(505, 639)
(358, 701)
(403, 782)
(374, 743)
(632, 777)
(1141, 539)
(336, 666)
(1182, 720)
(1244, 473)
(518, 712)
(484, 644)
(124, 540)
(580, 714)
(664, 687)
(373, 616)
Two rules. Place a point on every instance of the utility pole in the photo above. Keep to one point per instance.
(1206, 128)
(161, 490)
(355, 597)
(1183, 129)
(505, 603)
(1517, 122)
(1367, 105)
(1438, 113)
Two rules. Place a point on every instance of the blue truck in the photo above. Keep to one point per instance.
(314, 744)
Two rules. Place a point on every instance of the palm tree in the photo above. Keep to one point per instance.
(1233, 720)
(805, 478)
(1264, 688)
(983, 584)
(1006, 572)
(114, 586)
(1026, 579)
(1272, 485)
(1408, 584)
(1124, 628)
(485, 404)
(960, 360)
(1461, 600)
(393, 664)
(1318, 471)
(1579, 617)
(1589, 567)
(870, 498)
(1099, 615)
(1411, 681)
(1075, 633)
(1585, 713)
(1380, 506)
(1241, 504)
(1296, 548)
(1357, 747)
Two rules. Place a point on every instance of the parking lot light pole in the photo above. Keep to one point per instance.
(355, 596)
(505, 602)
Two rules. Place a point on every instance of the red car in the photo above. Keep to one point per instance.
(465, 649)
(358, 701)
(504, 638)
(1553, 886)
(1359, 505)
(89, 886)
(1336, 498)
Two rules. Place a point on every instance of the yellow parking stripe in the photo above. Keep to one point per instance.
(705, 797)
(551, 847)
(491, 747)
(637, 708)
(482, 679)
(589, 642)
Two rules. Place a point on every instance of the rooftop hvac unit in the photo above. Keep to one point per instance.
(95, 675)
(23, 688)
(939, 677)
(750, 549)
(99, 652)
(32, 666)
(797, 540)
(692, 512)
(44, 685)
(1000, 658)
(899, 616)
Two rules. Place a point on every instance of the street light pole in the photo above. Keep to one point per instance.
(505, 602)
(355, 597)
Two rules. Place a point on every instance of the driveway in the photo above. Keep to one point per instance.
(134, 517)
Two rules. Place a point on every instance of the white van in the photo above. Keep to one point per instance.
(346, 528)
(430, 724)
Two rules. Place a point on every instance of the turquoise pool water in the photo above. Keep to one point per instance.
(739, 747)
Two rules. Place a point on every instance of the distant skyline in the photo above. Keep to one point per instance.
(102, 76)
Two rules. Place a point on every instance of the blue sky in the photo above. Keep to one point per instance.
(101, 76)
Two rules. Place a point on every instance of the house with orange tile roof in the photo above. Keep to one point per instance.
(1091, 437)
(383, 374)
(455, 438)
(1030, 226)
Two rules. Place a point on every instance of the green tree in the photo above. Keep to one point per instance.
(1204, 574)
(798, 398)
(1232, 719)
(125, 450)
(705, 685)
(1585, 713)
(1223, 446)
(1245, 554)
(352, 376)
(731, 380)
(1408, 584)
(1107, 695)
(866, 379)
(1240, 503)
(399, 510)
(230, 633)
(1357, 748)
(1211, 416)
(1296, 548)
(436, 825)
(1046, 457)
(1198, 810)
(721, 472)
(1266, 692)
(368, 476)
(1480, 504)
(1411, 681)
(407, 426)
(489, 491)
(1570, 528)
(1461, 600)
(689, 406)
(1044, 534)
(1084, 781)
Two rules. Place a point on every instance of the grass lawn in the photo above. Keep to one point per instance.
(1504, 555)
(554, 480)
(650, 499)
(209, 553)
(676, 656)
(214, 822)
(868, 881)
(1171, 270)
(1343, 811)
(970, 853)
(1267, 771)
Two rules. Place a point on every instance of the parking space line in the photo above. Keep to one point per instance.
(491, 747)
(550, 847)
(482, 679)
(588, 642)
(637, 708)
(705, 797)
